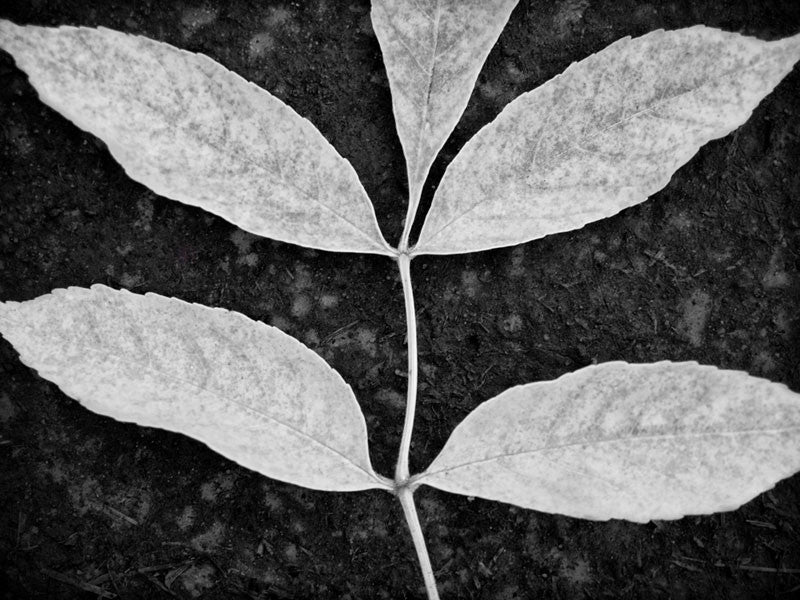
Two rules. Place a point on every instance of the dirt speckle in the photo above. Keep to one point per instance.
(222, 483)
(144, 207)
(517, 264)
(784, 322)
(211, 539)
(311, 338)
(260, 44)
(85, 495)
(301, 306)
(129, 505)
(272, 500)
(248, 260)
(328, 301)
(290, 553)
(243, 242)
(367, 529)
(367, 340)
(195, 17)
(125, 249)
(512, 323)
(696, 310)
(578, 572)
(763, 364)
(7, 408)
(281, 322)
(569, 14)
(363, 339)
(197, 579)
(470, 283)
(18, 137)
(278, 17)
(776, 275)
(391, 398)
(187, 518)
(301, 277)
(499, 93)
(131, 280)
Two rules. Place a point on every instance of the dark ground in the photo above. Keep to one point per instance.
(707, 270)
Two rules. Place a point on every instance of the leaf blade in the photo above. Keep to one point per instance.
(602, 136)
(193, 131)
(650, 441)
(247, 390)
(429, 93)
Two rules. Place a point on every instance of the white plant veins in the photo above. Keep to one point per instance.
(600, 137)
(623, 441)
(433, 51)
(248, 390)
(191, 130)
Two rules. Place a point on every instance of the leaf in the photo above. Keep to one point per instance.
(624, 441)
(193, 131)
(602, 136)
(433, 51)
(247, 390)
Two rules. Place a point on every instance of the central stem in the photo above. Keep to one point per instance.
(404, 493)
(401, 472)
(406, 497)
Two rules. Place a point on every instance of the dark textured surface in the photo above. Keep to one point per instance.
(707, 270)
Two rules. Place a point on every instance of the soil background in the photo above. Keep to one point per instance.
(706, 270)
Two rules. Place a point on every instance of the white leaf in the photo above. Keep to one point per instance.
(433, 51)
(191, 130)
(602, 136)
(623, 441)
(249, 391)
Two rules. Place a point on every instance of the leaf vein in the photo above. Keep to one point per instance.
(699, 434)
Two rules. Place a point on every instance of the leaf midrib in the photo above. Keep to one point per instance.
(597, 132)
(270, 175)
(292, 429)
(542, 450)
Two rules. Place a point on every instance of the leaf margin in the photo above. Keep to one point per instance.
(378, 481)
(427, 477)
(375, 242)
(466, 152)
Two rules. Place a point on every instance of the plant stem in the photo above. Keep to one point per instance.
(414, 193)
(404, 493)
(406, 497)
(401, 473)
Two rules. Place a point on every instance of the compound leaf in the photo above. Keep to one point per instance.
(191, 130)
(602, 136)
(247, 390)
(625, 441)
(433, 51)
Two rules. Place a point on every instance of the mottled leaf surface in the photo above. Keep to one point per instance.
(191, 130)
(625, 441)
(602, 136)
(249, 391)
(433, 51)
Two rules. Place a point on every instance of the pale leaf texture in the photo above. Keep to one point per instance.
(191, 130)
(247, 390)
(433, 51)
(604, 135)
(625, 441)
